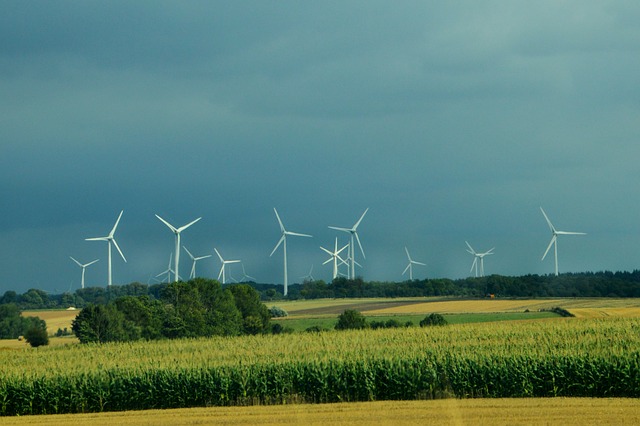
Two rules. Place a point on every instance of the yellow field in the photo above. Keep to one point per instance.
(548, 411)
(55, 319)
(581, 307)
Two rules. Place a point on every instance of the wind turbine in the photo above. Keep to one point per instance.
(194, 259)
(245, 276)
(110, 239)
(309, 276)
(335, 255)
(283, 239)
(83, 268)
(410, 265)
(476, 257)
(224, 263)
(177, 232)
(354, 233)
(168, 271)
(554, 238)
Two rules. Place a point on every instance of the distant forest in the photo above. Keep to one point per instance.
(588, 284)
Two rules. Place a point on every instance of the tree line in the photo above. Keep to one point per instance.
(587, 284)
(196, 308)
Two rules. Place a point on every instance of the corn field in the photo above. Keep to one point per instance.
(568, 357)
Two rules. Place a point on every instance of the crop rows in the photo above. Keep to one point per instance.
(595, 358)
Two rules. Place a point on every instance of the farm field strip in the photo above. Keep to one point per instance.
(571, 357)
(498, 412)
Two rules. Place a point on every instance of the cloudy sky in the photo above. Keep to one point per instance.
(451, 121)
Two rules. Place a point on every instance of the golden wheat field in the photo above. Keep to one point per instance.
(459, 412)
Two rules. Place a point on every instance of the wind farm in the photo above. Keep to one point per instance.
(341, 265)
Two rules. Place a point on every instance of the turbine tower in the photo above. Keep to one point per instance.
(83, 267)
(110, 239)
(283, 240)
(194, 259)
(222, 268)
(335, 255)
(177, 232)
(354, 233)
(554, 238)
(410, 265)
(476, 257)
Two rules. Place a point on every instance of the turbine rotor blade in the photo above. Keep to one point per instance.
(279, 221)
(359, 244)
(113, 230)
(79, 264)
(406, 269)
(187, 225)
(360, 220)
(297, 234)
(340, 229)
(188, 252)
(548, 221)
(115, 243)
(173, 228)
(553, 240)
(471, 250)
(218, 253)
(278, 245)
(570, 233)
(91, 263)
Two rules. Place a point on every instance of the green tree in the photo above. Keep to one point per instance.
(255, 314)
(100, 324)
(13, 324)
(37, 336)
(351, 319)
(144, 314)
(433, 319)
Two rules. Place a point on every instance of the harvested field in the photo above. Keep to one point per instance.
(55, 319)
(548, 411)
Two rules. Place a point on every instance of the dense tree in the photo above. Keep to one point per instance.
(433, 319)
(100, 324)
(37, 336)
(255, 315)
(351, 319)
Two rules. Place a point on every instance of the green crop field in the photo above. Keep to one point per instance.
(555, 357)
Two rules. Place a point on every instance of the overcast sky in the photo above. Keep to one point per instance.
(451, 121)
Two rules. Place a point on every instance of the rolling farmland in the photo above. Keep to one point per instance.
(564, 357)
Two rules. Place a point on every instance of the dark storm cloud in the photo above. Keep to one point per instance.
(453, 122)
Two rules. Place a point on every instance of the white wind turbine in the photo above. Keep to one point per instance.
(83, 267)
(477, 256)
(410, 265)
(335, 255)
(177, 232)
(246, 277)
(554, 238)
(168, 271)
(283, 239)
(224, 264)
(110, 239)
(354, 233)
(194, 259)
(309, 276)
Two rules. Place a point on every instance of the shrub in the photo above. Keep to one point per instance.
(37, 336)
(351, 319)
(433, 319)
(277, 312)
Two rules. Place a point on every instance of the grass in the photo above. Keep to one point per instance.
(548, 411)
